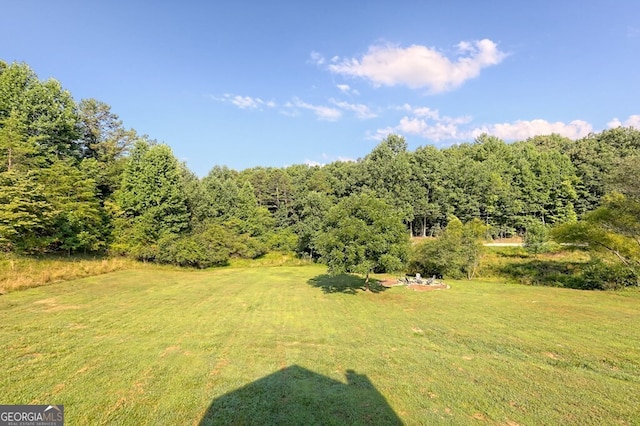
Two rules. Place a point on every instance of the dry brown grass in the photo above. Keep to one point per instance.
(18, 272)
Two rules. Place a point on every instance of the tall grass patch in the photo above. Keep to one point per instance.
(21, 272)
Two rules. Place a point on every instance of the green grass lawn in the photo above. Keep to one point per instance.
(285, 345)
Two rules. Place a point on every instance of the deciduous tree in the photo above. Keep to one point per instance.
(363, 234)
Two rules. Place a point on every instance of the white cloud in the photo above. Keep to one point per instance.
(429, 124)
(426, 112)
(347, 90)
(380, 134)
(244, 102)
(523, 129)
(321, 111)
(316, 58)
(328, 159)
(632, 121)
(440, 130)
(362, 111)
(420, 66)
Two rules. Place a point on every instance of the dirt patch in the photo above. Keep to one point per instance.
(52, 305)
(511, 240)
(169, 350)
(415, 287)
(389, 283)
(59, 308)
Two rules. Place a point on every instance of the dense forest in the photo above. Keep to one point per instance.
(74, 180)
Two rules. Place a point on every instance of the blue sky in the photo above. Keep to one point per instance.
(249, 83)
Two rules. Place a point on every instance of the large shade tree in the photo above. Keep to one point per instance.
(362, 234)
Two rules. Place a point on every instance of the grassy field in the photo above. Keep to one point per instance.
(289, 345)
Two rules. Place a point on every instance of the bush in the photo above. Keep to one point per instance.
(599, 275)
(282, 240)
(428, 259)
(196, 250)
(455, 254)
(536, 238)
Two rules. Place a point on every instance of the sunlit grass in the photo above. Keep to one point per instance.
(162, 346)
(560, 268)
(21, 272)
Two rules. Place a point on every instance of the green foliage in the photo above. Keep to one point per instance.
(200, 250)
(46, 111)
(456, 253)
(546, 181)
(611, 229)
(234, 204)
(311, 211)
(429, 258)
(272, 187)
(599, 275)
(104, 144)
(101, 132)
(25, 214)
(362, 234)
(151, 200)
(387, 173)
(79, 219)
(152, 187)
(559, 271)
(210, 244)
(536, 237)
(427, 190)
(595, 158)
(16, 148)
(281, 240)
(569, 267)
(612, 234)
(72, 180)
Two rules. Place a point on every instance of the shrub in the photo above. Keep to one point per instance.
(599, 275)
(428, 259)
(536, 238)
(282, 240)
(192, 250)
(455, 254)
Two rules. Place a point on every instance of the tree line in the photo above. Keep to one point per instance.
(74, 180)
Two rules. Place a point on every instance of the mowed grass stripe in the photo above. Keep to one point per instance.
(158, 346)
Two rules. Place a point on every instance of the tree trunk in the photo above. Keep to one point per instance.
(424, 226)
(366, 282)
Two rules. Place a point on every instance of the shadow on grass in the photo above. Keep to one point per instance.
(297, 396)
(344, 283)
(544, 272)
